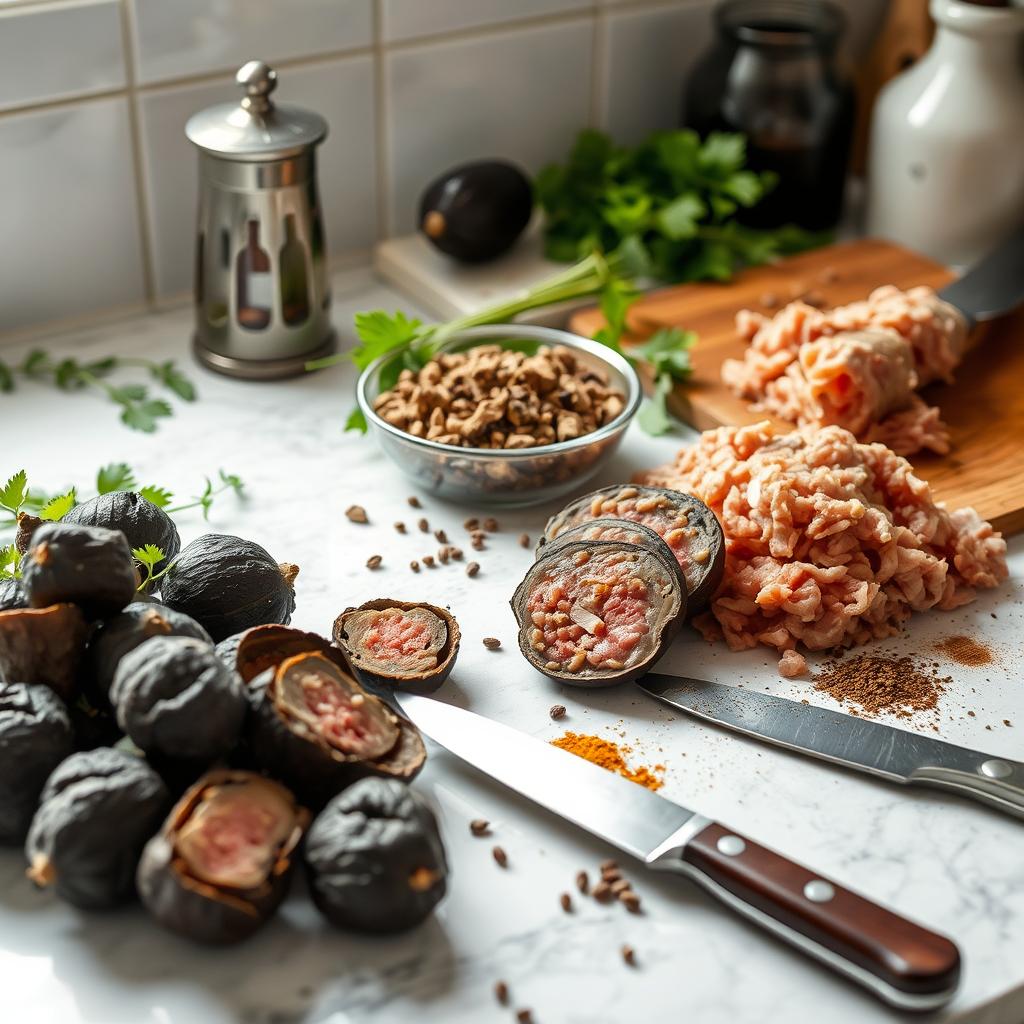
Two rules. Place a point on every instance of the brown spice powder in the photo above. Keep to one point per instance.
(965, 650)
(896, 686)
(609, 755)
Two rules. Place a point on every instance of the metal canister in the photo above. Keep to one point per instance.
(262, 300)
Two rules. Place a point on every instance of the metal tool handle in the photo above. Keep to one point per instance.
(996, 782)
(906, 965)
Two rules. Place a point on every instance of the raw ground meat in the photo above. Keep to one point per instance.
(829, 542)
(800, 358)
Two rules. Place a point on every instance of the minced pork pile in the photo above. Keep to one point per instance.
(829, 542)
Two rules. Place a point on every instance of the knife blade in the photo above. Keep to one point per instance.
(992, 286)
(893, 754)
(903, 963)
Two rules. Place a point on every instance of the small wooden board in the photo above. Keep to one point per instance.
(984, 407)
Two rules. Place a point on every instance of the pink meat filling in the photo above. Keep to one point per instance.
(396, 635)
(594, 613)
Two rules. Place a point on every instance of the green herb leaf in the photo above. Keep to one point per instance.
(653, 415)
(232, 481)
(171, 377)
(679, 219)
(14, 492)
(357, 421)
(10, 563)
(116, 476)
(6, 377)
(668, 351)
(68, 375)
(143, 415)
(128, 393)
(149, 556)
(380, 333)
(58, 507)
(159, 496)
(35, 363)
(616, 298)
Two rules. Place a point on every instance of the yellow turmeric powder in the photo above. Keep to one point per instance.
(609, 755)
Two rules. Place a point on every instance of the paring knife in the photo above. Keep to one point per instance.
(994, 284)
(901, 962)
(893, 754)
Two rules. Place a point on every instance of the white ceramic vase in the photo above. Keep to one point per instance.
(946, 160)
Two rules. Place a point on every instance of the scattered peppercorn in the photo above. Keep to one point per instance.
(501, 992)
(492, 643)
(476, 544)
(500, 856)
(456, 554)
(414, 565)
(566, 901)
(491, 524)
(629, 955)
(630, 901)
(423, 525)
(472, 569)
(471, 524)
(356, 514)
(414, 502)
(428, 561)
(524, 1016)
(582, 882)
(610, 875)
(558, 711)
(373, 561)
(619, 886)
(524, 540)
(608, 865)
(443, 555)
(441, 537)
(603, 892)
(400, 527)
(479, 827)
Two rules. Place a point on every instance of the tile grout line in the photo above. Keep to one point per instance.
(382, 151)
(138, 161)
(599, 71)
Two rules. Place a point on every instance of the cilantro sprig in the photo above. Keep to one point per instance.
(140, 410)
(674, 198)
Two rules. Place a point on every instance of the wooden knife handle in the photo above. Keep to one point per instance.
(904, 963)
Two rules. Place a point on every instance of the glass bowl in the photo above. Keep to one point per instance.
(500, 477)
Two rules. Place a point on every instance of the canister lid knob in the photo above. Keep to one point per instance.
(258, 80)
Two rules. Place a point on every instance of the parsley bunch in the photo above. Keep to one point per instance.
(673, 198)
(139, 410)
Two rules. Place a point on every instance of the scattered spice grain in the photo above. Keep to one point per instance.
(609, 865)
(373, 561)
(492, 643)
(964, 650)
(500, 856)
(491, 524)
(582, 882)
(472, 569)
(400, 527)
(630, 901)
(356, 514)
(441, 537)
(557, 711)
(566, 901)
(428, 561)
(603, 892)
(524, 1016)
(629, 955)
(423, 525)
(456, 554)
(443, 554)
(880, 684)
(471, 524)
(607, 754)
(414, 565)
(620, 886)
(414, 502)
(524, 540)
(501, 992)
(480, 827)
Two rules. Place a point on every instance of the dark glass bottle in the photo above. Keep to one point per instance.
(292, 262)
(255, 282)
(771, 73)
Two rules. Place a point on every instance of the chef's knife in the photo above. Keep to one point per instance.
(993, 286)
(893, 754)
(903, 963)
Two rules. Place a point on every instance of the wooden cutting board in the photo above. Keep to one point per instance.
(984, 407)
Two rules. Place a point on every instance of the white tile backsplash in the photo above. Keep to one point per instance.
(521, 95)
(177, 38)
(649, 55)
(340, 90)
(68, 212)
(409, 89)
(410, 19)
(55, 51)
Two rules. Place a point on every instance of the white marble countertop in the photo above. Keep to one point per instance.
(954, 866)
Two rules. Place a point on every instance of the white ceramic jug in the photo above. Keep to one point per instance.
(946, 161)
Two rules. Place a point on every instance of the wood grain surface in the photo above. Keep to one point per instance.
(984, 407)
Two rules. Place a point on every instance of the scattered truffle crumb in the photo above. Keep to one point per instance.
(565, 900)
(480, 827)
(582, 882)
(400, 527)
(373, 561)
(558, 711)
(423, 525)
(500, 856)
(356, 514)
(472, 569)
(414, 502)
(501, 992)
(629, 955)
(492, 643)
(491, 525)
(414, 565)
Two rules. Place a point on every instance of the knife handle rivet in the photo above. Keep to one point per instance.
(731, 846)
(817, 890)
(995, 768)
